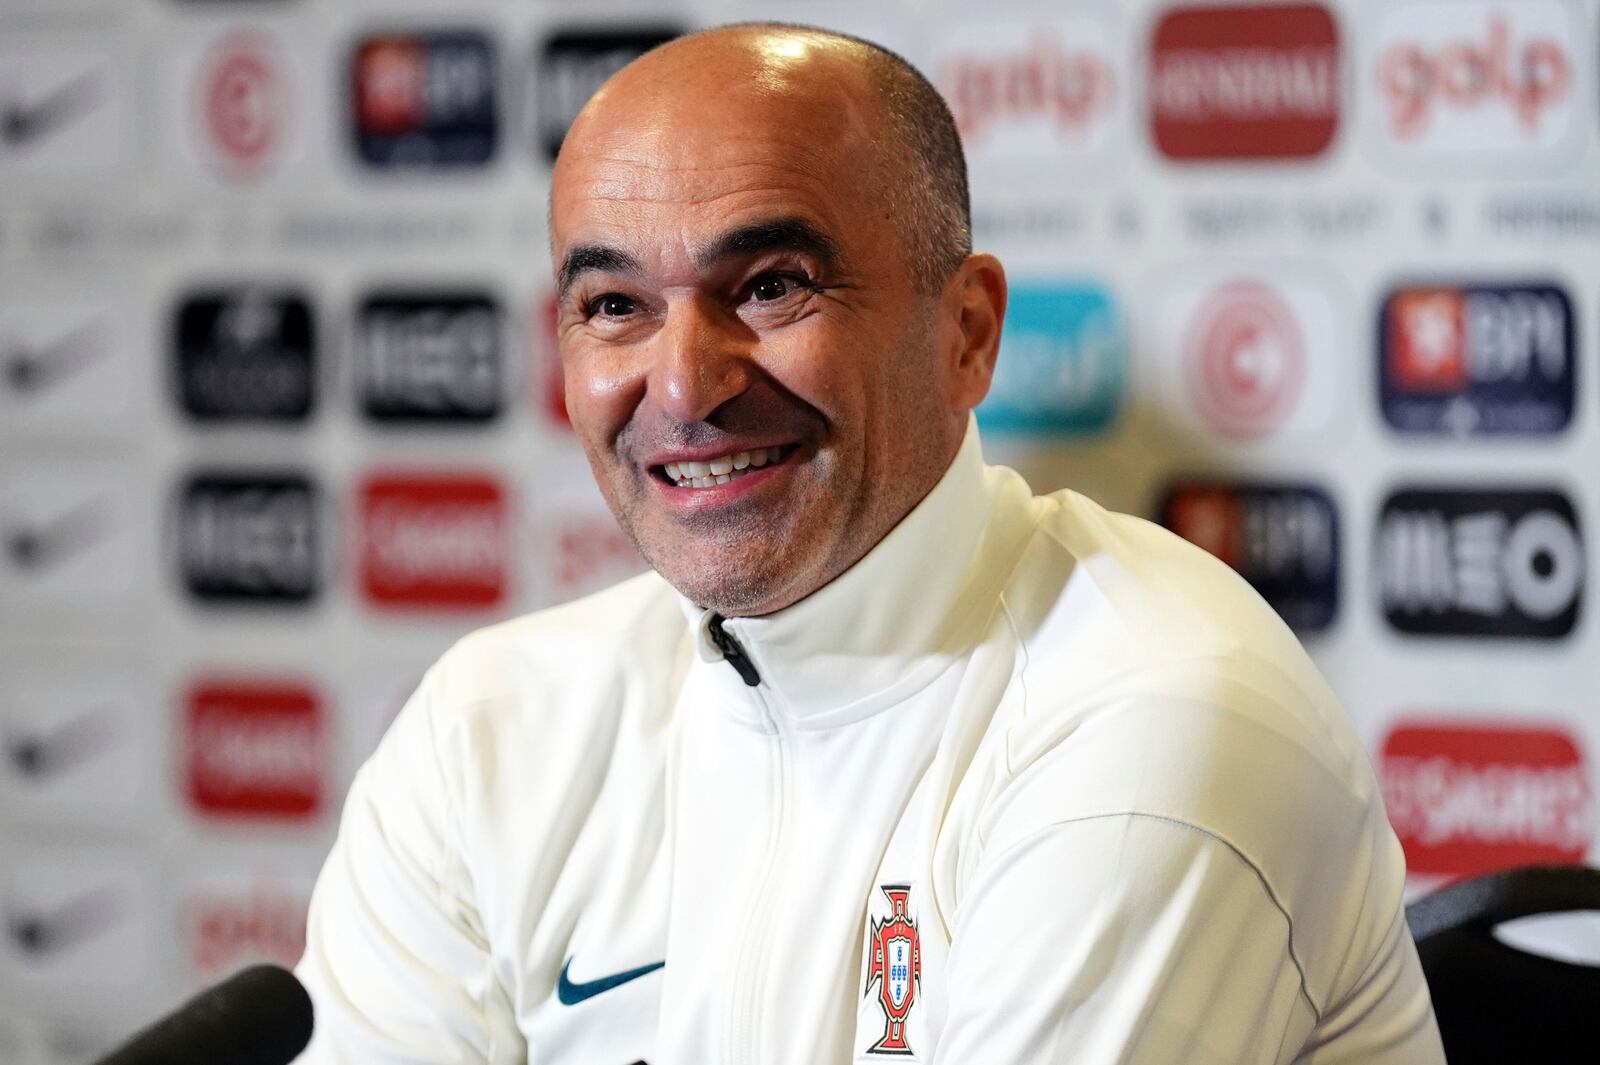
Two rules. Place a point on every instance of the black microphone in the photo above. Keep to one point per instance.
(258, 1016)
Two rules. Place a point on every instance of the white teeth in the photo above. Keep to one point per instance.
(691, 474)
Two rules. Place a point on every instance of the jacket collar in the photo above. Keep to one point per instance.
(890, 624)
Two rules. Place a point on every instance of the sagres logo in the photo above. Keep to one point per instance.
(254, 747)
(1480, 562)
(425, 99)
(246, 353)
(1477, 359)
(1477, 79)
(1036, 90)
(429, 357)
(434, 540)
(245, 538)
(1283, 539)
(1061, 361)
(231, 920)
(1465, 798)
(1251, 82)
(572, 63)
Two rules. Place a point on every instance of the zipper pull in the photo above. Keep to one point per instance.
(733, 652)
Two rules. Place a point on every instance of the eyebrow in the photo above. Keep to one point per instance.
(597, 257)
(778, 234)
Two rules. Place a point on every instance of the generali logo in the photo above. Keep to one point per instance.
(1469, 798)
(1477, 359)
(254, 748)
(1477, 79)
(1043, 89)
(1250, 82)
(433, 540)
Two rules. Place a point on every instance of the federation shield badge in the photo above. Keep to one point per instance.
(894, 965)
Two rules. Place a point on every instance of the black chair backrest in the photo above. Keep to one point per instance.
(1498, 1004)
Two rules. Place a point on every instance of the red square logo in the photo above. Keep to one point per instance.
(434, 541)
(1257, 82)
(254, 748)
(1426, 340)
(391, 82)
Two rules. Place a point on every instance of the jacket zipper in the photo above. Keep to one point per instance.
(750, 968)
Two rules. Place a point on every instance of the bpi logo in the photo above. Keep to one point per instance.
(1245, 360)
(434, 540)
(1061, 361)
(894, 963)
(1282, 539)
(1477, 79)
(572, 64)
(1025, 91)
(1477, 359)
(243, 103)
(1466, 799)
(433, 357)
(1258, 82)
(1480, 562)
(254, 748)
(249, 538)
(425, 99)
(245, 354)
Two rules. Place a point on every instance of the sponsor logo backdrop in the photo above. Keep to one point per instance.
(1316, 285)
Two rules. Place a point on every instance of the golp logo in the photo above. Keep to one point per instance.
(1062, 355)
(1469, 798)
(1035, 90)
(1476, 79)
(434, 540)
(230, 925)
(254, 748)
(1477, 359)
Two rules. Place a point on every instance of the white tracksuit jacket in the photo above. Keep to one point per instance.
(1032, 782)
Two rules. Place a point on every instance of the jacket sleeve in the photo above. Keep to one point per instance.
(396, 961)
(1164, 947)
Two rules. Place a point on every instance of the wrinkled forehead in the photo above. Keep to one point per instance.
(678, 162)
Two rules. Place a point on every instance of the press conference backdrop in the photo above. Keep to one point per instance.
(1315, 284)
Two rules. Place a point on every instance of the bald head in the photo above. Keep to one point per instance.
(909, 149)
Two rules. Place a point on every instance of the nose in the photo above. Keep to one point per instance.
(701, 360)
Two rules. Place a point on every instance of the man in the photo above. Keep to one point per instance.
(888, 758)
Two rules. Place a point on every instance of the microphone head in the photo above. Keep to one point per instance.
(258, 1016)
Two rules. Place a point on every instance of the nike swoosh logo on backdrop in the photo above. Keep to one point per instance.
(21, 122)
(44, 933)
(39, 545)
(41, 753)
(30, 370)
(571, 994)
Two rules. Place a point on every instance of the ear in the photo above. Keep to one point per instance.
(973, 306)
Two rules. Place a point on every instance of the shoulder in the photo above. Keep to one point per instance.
(1154, 681)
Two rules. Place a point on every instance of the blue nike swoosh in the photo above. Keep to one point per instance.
(571, 994)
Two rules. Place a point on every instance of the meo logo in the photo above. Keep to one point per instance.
(1060, 367)
(434, 541)
(1466, 799)
(1476, 79)
(254, 748)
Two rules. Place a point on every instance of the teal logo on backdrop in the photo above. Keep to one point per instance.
(1061, 361)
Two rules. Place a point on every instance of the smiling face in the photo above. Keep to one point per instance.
(760, 387)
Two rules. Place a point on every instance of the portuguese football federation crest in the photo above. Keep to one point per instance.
(894, 964)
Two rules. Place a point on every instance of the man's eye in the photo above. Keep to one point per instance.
(612, 305)
(769, 287)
